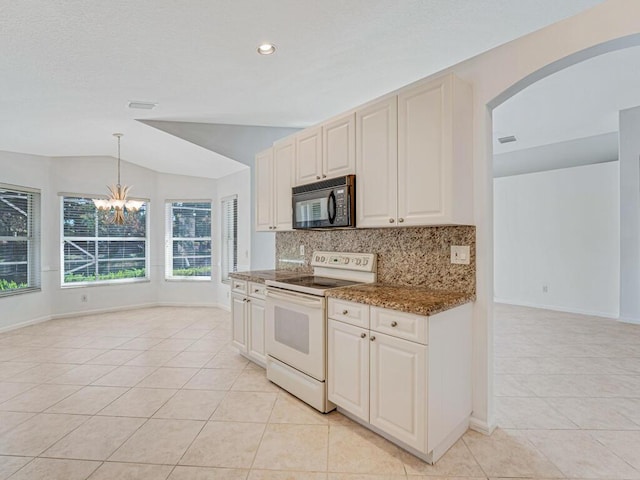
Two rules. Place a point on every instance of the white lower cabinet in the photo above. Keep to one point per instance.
(398, 377)
(238, 321)
(416, 395)
(255, 345)
(247, 322)
(348, 368)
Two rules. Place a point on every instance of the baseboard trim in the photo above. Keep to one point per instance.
(634, 321)
(556, 308)
(481, 426)
(26, 323)
(98, 311)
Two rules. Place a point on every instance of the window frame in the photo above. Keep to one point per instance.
(169, 239)
(33, 239)
(223, 239)
(115, 281)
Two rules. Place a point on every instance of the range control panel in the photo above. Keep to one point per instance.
(363, 262)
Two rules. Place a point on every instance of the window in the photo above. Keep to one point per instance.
(188, 240)
(19, 240)
(94, 250)
(229, 236)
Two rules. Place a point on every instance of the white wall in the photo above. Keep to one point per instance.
(236, 184)
(630, 215)
(89, 176)
(559, 229)
(30, 171)
(181, 292)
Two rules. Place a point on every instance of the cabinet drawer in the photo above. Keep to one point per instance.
(399, 324)
(238, 286)
(349, 312)
(257, 290)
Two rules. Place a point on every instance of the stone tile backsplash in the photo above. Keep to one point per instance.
(414, 256)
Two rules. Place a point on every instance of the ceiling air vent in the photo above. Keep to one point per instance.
(509, 139)
(143, 105)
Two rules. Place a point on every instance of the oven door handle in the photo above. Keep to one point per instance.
(297, 299)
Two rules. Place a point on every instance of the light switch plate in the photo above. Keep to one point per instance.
(460, 254)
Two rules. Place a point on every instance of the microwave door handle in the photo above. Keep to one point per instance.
(331, 202)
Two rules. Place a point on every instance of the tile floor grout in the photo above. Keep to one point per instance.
(530, 443)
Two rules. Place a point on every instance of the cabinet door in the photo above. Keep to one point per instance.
(264, 190)
(283, 159)
(398, 388)
(255, 335)
(339, 146)
(308, 156)
(348, 368)
(424, 153)
(239, 322)
(376, 164)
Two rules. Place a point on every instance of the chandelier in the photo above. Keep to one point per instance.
(117, 202)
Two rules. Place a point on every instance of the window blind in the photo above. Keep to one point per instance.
(188, 240)
(96, 250)
(229, 234)
(19, 240)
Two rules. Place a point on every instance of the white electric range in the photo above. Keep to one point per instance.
(296, 323)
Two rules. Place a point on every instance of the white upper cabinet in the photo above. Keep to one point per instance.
(427, 179)
(377, 164)
(327, 151)
(434, 153)
(309, 156)
(264, 190)
(284, 154)
(411, 152)
(274, 179)
(339, 146)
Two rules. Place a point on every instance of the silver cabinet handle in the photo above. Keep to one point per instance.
(324, 176)
(244, 300)
(248, 301)
(344, 312)
(363, 335)
(317, 177)
(400, 220)
(394, 324)
(257, 290)
(373, 338)
(391, 220)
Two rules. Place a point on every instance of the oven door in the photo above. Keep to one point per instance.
(295, 330)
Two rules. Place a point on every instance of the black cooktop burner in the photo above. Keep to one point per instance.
(312, 281)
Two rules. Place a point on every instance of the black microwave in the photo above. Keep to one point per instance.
(327, 204)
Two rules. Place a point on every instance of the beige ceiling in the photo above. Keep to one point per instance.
(69, 67)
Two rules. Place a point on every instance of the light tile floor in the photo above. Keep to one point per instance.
(159, 394)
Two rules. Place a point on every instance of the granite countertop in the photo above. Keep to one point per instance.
(416, 300)
(259, 276)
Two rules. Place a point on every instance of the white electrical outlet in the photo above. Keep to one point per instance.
(302, 250)
(545, 288)
(460, 254)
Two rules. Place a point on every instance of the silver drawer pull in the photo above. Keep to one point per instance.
(394, 324)
(344, 312)
(257, 290)
(373, 338)
(363, 335)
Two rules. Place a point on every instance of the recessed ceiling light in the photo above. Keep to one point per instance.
(143, 105)
(509, 139)
(266, 49)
